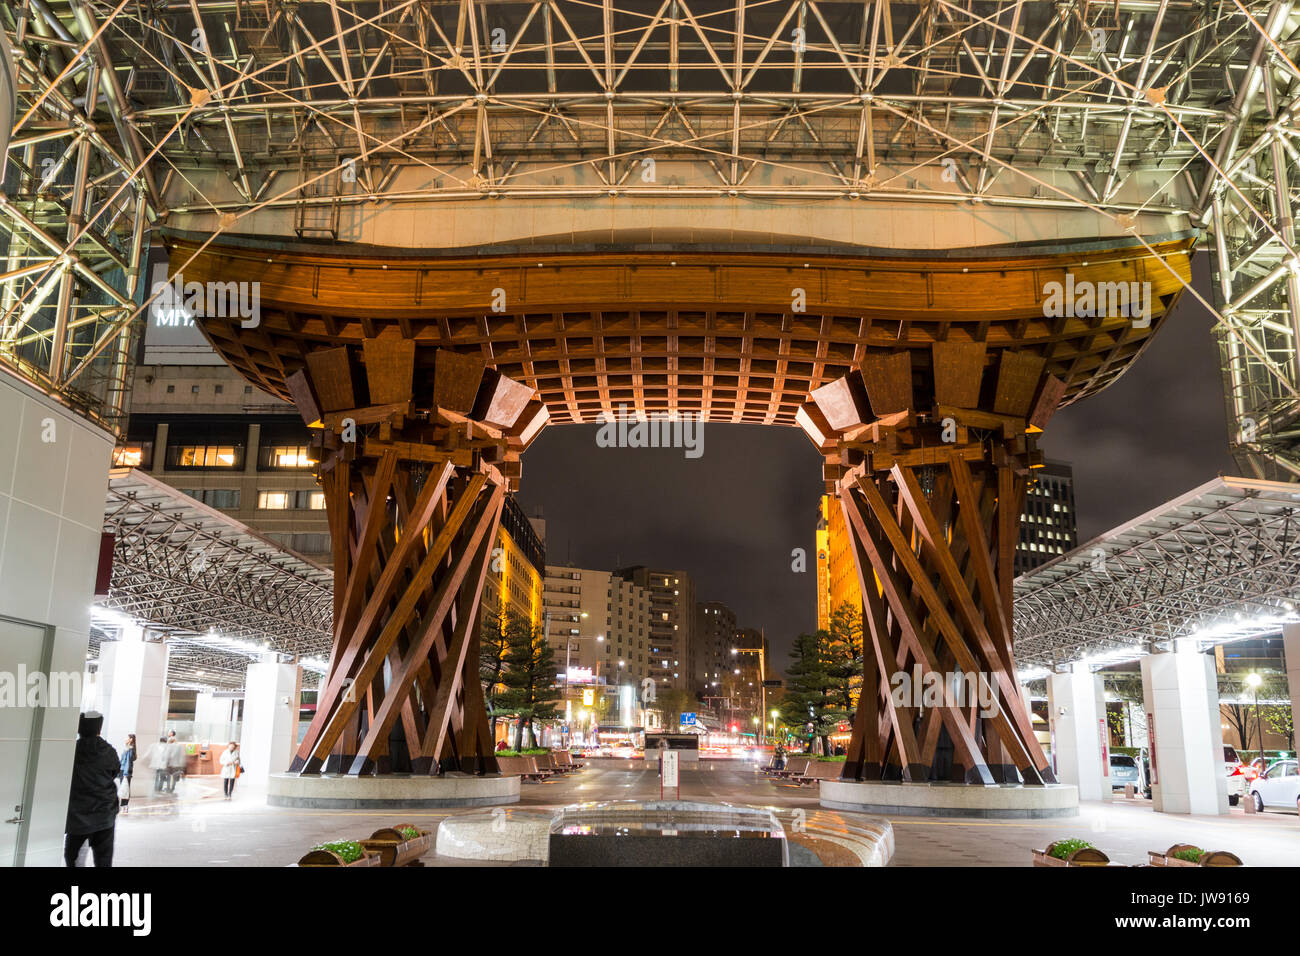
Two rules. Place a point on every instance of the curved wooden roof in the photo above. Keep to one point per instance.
(715, 332)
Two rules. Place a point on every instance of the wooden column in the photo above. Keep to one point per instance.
(416, 460)
(930, 456)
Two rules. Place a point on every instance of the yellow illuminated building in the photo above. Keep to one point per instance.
(514, 579)
(837, 575)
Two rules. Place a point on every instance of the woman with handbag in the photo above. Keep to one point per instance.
(127, 769)
(230, 768)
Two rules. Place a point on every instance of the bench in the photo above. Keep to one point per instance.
(819, 770)
(523, 767)
(564, 760)
(794, 767)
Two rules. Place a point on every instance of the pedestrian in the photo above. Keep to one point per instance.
(175, 762)
(157, 761)
(126, 771)
(92, 797)
(230, 769)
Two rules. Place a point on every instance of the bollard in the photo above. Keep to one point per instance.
(1129, 792)
(1248, 802)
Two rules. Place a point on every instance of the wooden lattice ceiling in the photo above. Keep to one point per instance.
(713, 332)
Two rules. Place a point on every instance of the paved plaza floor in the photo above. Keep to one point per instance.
(197, 827)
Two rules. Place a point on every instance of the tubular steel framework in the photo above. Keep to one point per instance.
(217, 589)
(1220, 563)
(130, 112)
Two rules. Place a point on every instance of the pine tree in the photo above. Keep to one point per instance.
(492, 653)
(529, 678)
(843, 652)
(811, 706)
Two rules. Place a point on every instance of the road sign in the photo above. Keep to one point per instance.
(688, 719)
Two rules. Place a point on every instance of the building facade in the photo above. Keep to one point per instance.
(672, 621)
(203, 431)
(1049, 525)
(715, 628)
(600, 632)
(837, 573)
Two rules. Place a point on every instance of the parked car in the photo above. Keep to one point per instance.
(1278, 788)
(1125, 770)
(1236, 772)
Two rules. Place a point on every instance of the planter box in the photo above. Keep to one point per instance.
(1208, 858)
(1084, 856)
(330, 858)
(395, 849)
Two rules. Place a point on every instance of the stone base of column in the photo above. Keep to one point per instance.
(1008, 801)
(390, 792)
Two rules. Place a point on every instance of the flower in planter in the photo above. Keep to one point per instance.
(409, 833)
(1190, 854)
(1062, 849)
(348, 850)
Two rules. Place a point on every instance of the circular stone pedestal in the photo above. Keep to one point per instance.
(1002, 801)
(391, 791)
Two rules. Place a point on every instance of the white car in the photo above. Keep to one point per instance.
(1232, 766)
(1278, 788)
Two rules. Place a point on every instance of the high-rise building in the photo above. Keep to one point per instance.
(715, 628)
(1049, 525)
(837, 574)
(672, 621)
(743, 680)
(514, 578)
(600, 632)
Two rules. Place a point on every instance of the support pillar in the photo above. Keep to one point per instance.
(1291, 653)
(1181, 696)
(415, 485)
(930, 452)
(272, 694)
(133, 688)
(1076, 704)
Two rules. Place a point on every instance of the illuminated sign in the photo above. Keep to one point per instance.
(579, 675)
(588, 697)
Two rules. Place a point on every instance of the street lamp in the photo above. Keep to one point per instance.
(1253, 680)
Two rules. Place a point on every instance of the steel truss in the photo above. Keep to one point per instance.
(220, 591)
(231, 106)
(1220, 563)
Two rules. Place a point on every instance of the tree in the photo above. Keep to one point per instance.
(670, 703)
(812, 704)
(492, 660)
(1279, 719)
(529, 678)
(843, 651)
(1240, 716)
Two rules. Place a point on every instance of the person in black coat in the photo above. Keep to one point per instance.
(92, 799)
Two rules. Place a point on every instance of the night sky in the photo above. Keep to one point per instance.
(732, 516)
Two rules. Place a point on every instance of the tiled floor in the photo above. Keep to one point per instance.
(198, 828)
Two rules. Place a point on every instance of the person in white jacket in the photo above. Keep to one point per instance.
(229, 768)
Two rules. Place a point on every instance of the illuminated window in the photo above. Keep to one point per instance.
(135, 455)
(290, 456)
(316, 500)
(204, 456)
(274, 500)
